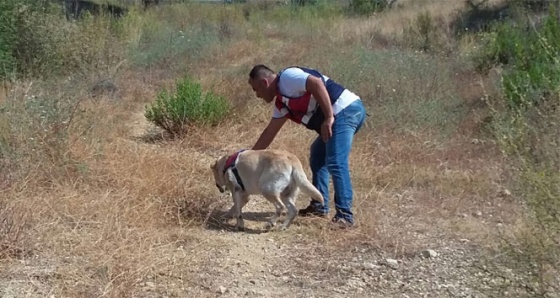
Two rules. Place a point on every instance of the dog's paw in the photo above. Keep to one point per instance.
(268, 226)
(224, 219)
(281, 229)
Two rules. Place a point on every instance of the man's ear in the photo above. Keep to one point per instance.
(266, 81)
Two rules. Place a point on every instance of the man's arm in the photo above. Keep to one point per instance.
(269, 133)
(319, 91)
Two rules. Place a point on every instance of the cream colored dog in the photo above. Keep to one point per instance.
(275, 174)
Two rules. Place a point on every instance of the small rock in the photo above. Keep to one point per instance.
(392, 263)
(340, 290)
(150, 284)
(355, 284)
(504, 193)
(221, 290)
(429, 253)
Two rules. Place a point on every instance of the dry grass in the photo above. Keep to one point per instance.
(126, 206)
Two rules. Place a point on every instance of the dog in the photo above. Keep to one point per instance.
(277, 175)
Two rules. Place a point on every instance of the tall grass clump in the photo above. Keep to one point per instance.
(14, 242)
(366, 7)
(427, 34)
(189, 32)
(35, 142)
(187, 105)
(7, 37)
(527, 126)
(14, 16)
(38, 41)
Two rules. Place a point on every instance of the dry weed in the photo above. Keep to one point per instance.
(135, 211)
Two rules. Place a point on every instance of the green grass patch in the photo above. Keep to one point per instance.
(404, 91)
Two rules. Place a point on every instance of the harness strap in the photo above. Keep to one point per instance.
(230, 163)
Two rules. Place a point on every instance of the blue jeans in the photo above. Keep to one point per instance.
(332, 158)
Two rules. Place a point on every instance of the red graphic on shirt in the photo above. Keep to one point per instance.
(296, 107)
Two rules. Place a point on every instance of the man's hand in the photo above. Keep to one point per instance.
(326, 129)
(317, 88)
(269, 133)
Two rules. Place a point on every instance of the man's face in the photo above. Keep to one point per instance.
(261, 88)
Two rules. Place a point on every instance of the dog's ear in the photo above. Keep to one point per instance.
(230, 177)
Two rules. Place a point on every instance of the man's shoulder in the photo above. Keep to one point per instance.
(292, 70)
(297, 72)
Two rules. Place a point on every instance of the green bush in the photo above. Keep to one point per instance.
(175, 111)
(530, 58)
(7, 37)
(527, 127)
(36, 40)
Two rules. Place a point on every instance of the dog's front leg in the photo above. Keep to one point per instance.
(237, 197)
(233, 210)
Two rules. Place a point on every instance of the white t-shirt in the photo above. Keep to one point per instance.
(292, 84)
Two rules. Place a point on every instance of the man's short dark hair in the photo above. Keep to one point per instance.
(260, 71)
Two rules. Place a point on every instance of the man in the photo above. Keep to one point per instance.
(307, 97)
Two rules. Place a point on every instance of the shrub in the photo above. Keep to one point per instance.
(526, 125)
(175, 111)
(303, 2)
(364, 7)
(35, 125)
(530, 57)
(36, 40)
(7, 37)
(425, 33)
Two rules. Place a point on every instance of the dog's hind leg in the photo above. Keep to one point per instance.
(273, 198)
(289, 200)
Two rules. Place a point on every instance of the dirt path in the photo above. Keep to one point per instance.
(283, 264)
(254, 263)
(307, 260)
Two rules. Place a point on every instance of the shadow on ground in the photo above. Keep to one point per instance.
(216, 221)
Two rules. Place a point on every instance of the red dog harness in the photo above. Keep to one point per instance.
(231, 163)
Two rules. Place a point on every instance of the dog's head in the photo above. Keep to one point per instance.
(218, 172)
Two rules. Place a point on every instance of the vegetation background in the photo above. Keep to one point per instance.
(108, 126)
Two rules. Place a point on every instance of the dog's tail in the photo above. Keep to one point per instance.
(306, 186)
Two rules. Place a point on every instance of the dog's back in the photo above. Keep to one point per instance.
(273, 166)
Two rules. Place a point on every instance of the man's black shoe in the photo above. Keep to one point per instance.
(341, 223)
(312, 211)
